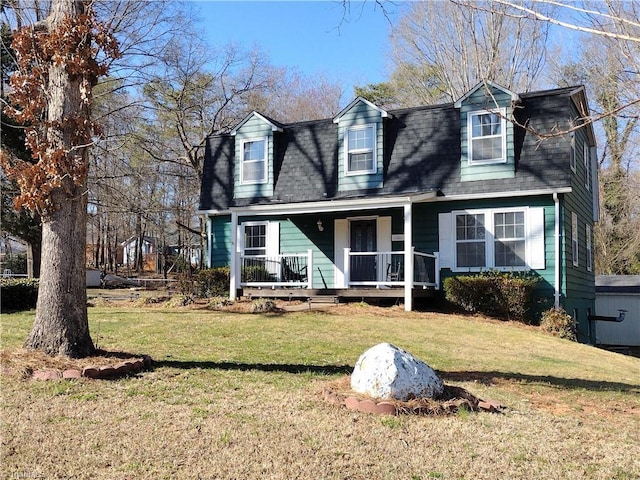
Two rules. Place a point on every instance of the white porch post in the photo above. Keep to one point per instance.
(233, 274)
(208, 222)
(347, 267)
(310, 268)
(408, 258)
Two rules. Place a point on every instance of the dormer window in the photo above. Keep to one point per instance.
(361, 149)
(487, 136)
(253, 164)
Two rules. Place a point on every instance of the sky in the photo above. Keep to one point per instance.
(317, 38)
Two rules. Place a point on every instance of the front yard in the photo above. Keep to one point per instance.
(236, 395)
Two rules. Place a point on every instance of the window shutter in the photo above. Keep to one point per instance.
(273, 239)
(384, 234)
(240, 238)
(341, 241)
(446, 240)
(535, 238)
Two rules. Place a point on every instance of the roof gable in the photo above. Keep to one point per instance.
(488, 86)
(275, 126)
(356, 101)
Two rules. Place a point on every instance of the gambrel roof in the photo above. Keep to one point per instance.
(421, 153)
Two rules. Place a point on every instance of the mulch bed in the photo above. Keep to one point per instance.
(27, 364)
(452, 400)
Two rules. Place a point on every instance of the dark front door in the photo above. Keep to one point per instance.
(363, 239)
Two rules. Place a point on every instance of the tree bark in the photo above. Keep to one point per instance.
(61, 324)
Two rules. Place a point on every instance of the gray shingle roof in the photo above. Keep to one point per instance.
(421, 153)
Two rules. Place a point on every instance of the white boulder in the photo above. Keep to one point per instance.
(387, 372)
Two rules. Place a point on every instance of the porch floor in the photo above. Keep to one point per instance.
(338, 294)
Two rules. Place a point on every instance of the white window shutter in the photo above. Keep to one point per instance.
(273, 239)
(446, 240)
(535, 238)
(341, 241)
(383, 242)
(240, 238)
(384, 234)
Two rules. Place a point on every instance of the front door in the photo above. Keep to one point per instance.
(363, 234)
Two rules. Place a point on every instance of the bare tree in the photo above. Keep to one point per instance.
(295, 97)
(443, 49)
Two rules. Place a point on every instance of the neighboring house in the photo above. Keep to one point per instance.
(389, 203)
(148, 249)
(613, 294)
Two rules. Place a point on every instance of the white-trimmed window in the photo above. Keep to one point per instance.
(255, 238)
(502, 238)
(572, 151)
(360, 147)
(589, 250)
(253, 160)
(509, 239)
(587, 165)
(487, 136)
(470, 240)
(574, 239)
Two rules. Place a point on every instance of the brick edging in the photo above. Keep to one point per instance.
(93, 372)
(396, 408)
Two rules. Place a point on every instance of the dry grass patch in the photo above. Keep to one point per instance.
(238, 395)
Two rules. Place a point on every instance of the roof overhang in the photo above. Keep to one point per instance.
(324, 206)
(579, 99)
(505, 194)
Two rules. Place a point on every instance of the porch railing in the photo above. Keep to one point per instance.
(386, 269)
(283, 270)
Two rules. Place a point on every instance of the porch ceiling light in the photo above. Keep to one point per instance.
(320, 227)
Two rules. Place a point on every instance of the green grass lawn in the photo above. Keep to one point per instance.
(239, 396)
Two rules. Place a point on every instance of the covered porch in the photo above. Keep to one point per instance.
(367, 275)
(350, 250)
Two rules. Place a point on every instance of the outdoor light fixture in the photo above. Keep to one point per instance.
(320, 227)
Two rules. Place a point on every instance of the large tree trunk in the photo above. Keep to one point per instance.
(61, 325)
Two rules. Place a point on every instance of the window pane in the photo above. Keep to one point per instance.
(360, 161)
(510, 253)
(470, 254)
(255, 239)
(470, 227)
(487, 148)
(253, 171)
(509, 225)
(254, 150)
(360, 138)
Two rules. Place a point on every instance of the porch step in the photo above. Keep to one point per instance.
(324, 299)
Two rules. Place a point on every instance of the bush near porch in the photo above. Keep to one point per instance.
(506, 295)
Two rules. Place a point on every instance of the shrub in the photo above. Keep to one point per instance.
(263, 305)
(500, 294)
(18, 294)
(559, 323)
(212, 282)
(255, 273)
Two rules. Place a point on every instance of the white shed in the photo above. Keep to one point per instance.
(614, 293)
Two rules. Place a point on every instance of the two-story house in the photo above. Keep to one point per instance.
(389, 203)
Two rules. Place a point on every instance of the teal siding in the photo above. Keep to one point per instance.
(360, 114)
(221, 235)
(478, 101)
(426, 236)
(254, 128)
(578, 297)
(299, 234)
